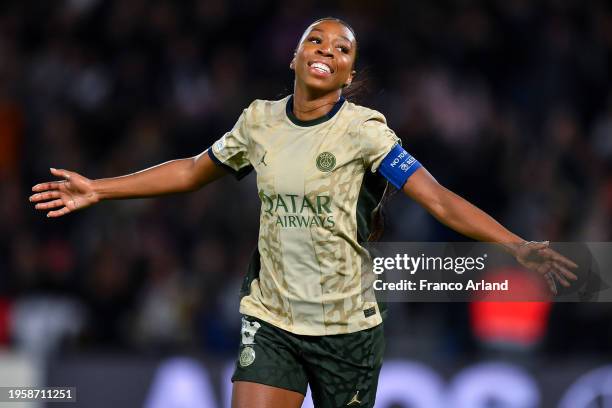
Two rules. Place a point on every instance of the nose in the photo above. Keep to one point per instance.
(325, 50)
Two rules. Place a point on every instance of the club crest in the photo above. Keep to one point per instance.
(326, 162)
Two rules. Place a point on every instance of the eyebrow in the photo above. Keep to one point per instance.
(318, 29)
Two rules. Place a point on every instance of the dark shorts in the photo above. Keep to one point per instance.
(342, 370)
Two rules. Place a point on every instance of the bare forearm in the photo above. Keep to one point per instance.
(467, 219)
(175, 176)
(76, 192)
(457, 213)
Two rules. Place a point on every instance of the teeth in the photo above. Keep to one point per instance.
(321, 67)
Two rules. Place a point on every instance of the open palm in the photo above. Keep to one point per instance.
(540, 258)
(62, 197)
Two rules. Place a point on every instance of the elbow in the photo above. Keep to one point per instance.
(187, 175)
(440, 206)
(432, 196)
(439, 211)
(191, 177)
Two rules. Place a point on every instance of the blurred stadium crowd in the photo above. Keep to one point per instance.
(508, 103)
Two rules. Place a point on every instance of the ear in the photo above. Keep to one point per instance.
(350, 78)
(292, 63)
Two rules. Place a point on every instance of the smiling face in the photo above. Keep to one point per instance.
(325, 56)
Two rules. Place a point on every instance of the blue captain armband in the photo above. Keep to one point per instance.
(397, 166)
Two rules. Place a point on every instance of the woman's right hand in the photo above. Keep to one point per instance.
(73, 193)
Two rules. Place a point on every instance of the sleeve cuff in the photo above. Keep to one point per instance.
(238, 174)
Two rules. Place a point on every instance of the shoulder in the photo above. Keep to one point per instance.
(364, 116)
(261, 113)
(261, 109)
(361, 114)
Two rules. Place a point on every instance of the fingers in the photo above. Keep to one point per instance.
(58, 213)
(47, 195)
(553, 266)
(549, 269)
(554, 272)
(562, 260)
(561, 279)
(60, 173)
(557, 257)
(49, 204)
(551, 275)
(51, 185)
(551, 283)
(566, 272)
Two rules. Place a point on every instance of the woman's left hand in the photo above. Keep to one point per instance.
(538, 257)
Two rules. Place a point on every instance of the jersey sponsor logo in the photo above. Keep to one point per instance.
(326, 162)
(295, 211)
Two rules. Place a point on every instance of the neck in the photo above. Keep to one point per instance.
(311, 105)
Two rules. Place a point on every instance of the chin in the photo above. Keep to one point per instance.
(319, 86)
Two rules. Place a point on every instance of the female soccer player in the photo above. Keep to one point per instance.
(319, 161)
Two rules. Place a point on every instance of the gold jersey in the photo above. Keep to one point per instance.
(318, 192)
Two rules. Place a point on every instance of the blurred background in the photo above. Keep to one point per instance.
(507, 103)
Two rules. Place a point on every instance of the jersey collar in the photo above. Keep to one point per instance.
(312, 122)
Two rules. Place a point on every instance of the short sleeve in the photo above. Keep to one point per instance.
(231, 150)
(376, 140)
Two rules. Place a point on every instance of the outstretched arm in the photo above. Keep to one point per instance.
(76, 192)
(456, 212)
(465, 218)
